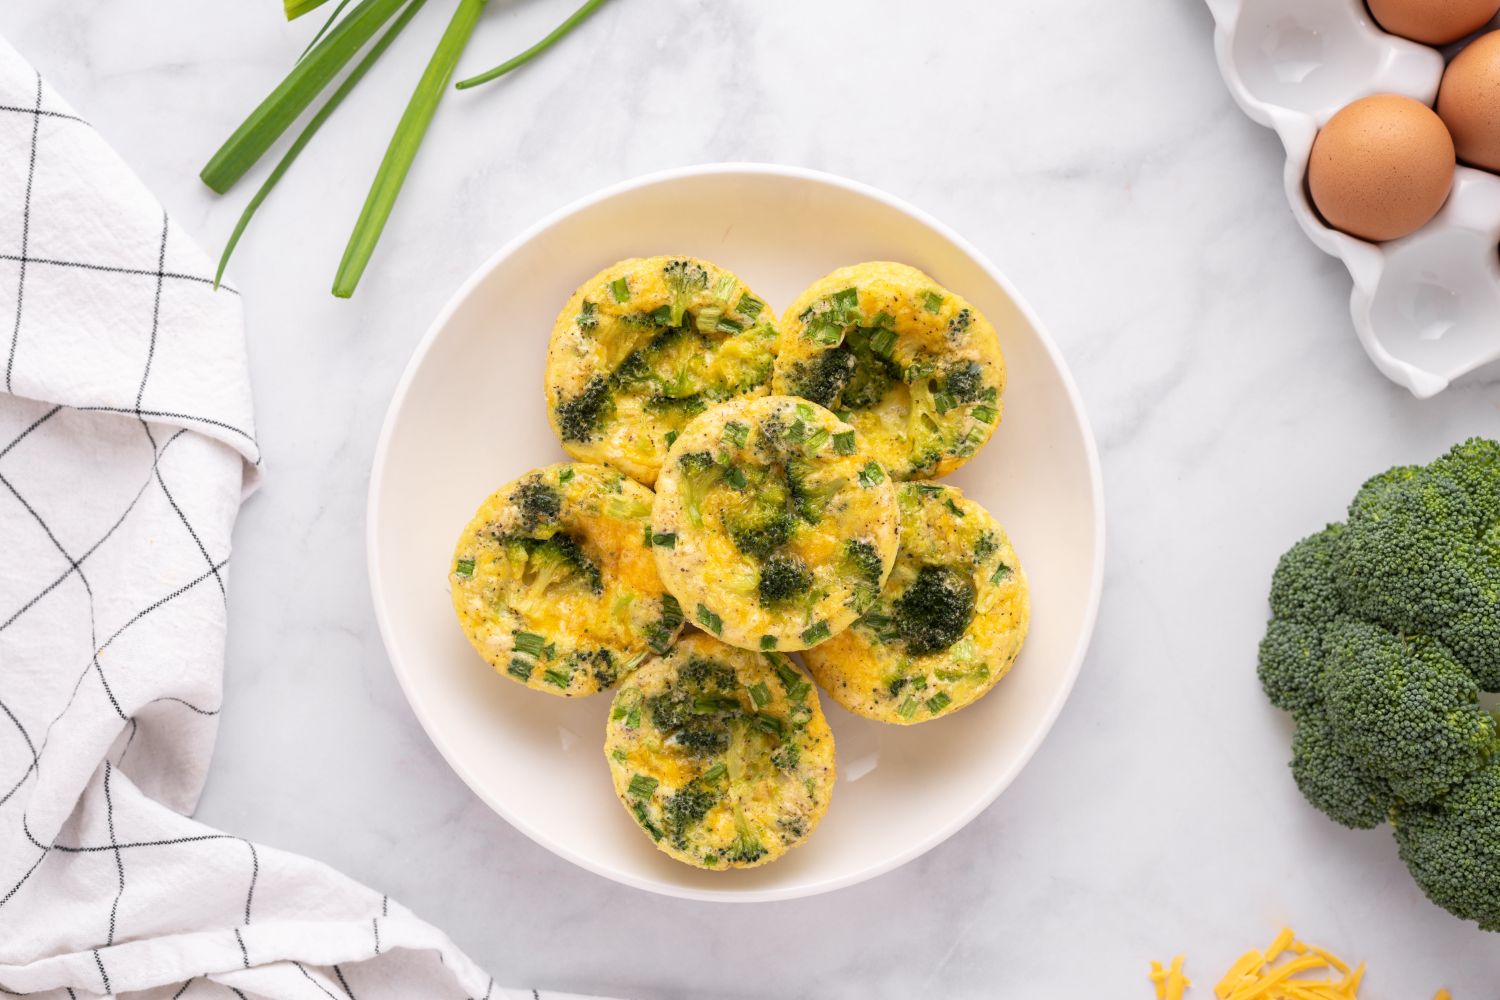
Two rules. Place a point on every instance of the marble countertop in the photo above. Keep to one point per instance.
(1091, 151)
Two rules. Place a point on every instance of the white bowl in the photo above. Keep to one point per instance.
(1427, 306)
(469, 416)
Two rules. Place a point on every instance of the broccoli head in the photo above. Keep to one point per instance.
(863, 561)
(1452, 847)
(580, 416)
(782, 579)
(1384, 631)
(540, 504)
(758, 518)
(964, 381)
(823, 378)
(935, 610)
(684, 278)
(550, 564)
(699, 475)
(686, 808)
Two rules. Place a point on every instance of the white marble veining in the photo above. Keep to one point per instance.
(1091, 150)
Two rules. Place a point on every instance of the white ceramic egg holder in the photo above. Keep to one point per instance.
(1427, 306)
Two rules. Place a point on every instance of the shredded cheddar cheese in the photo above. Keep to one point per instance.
(1287, 970)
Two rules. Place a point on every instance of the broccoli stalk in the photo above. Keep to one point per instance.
(1384, 630)
(699, 475)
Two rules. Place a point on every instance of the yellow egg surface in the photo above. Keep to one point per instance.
(924, 650)
(722, 755)
(774, 527)
(646, 345)
(915, 368)
(554, 584)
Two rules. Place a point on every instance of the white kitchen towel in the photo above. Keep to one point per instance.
(126, 447)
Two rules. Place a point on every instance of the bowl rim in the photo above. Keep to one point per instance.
(1002, 778)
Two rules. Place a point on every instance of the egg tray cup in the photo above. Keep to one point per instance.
(1426, 306)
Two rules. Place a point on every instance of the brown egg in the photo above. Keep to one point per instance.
(1381, 167)
(1469, 101)
(1435, 22)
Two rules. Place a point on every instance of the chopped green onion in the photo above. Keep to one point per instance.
(843, 442)
(787, 674)
(908, 708)
(943, 402)
(883, 343)
(846, 299)
(760, 694)
(642, 785)
(953, 508)
(990, 394)
(844, 415)
(639, 809)
(799, 690)
(710, 621)
(296, 8)
(769, 724)
(403, 147)
(464, 568)
(671, 437)
(619, 755)
(883, 320)
(671, 611)
(734, 477)
(565, 475)
(933, 301)
(804, 411)
(558, 678)
(716, 772)
(816, 633)
(749, 306)
(662, 316)
(633, 718)
(1001, 572)
(620, 289)
(727, 325)
(646, 535)
(519, 669)
(938, 702)
(666, 540)
(985, 414)
(708, 318)
(768, 642)
(529, 643)
(737, 433)
(815, 440)
(553, 37)
(871, 475)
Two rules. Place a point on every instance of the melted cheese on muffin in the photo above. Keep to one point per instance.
(722, 755)
(949, 622)
(912, 366)
(774, 529)
(645, 346)
(554, 583)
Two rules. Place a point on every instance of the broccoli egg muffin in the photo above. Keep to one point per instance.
(949, 622)
(554, 584)
(912, 366)
(722, 755)
(647, 345)
(772, 526)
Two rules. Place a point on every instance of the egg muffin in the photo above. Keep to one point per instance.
(554, 583)
(647, 345)
(722, 755)
(912, 366)
(773, 528)
(949, 622)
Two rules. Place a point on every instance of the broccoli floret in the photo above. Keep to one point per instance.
(540, 504)
(1452, 848)
(783, 578)
(809, 497)
(702, 737)
(687, 807)
(758, 519)
(1384, 630)
(578, 418)
(699, 475)
(1331, 780)
(747, 847)
(823, 377)
(551, 563)
(935, 610)
(684, 279)
(1405, 709)
(862, 561)
(964, 381)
